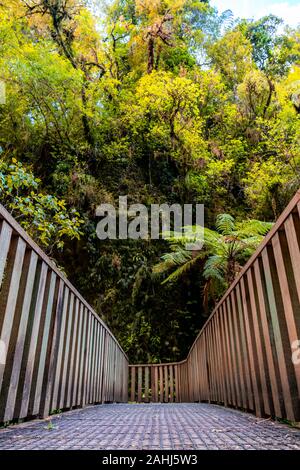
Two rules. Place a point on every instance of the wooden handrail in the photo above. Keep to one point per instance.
(59, 353)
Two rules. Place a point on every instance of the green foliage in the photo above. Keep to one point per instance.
(273, 53)
(224, 252)
(231, 54)
(45, 217)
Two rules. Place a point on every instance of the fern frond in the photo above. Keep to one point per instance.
(177, 257)
(185, 268)
(252, 227)
(225, 224)
(214, 268)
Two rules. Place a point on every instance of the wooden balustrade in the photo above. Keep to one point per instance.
(243, 355)
(59, 354)
(154, 383)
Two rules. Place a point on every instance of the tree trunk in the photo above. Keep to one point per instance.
(271, 91)
(230, 274)
(150, 55)
(158, 53)
(85, 121)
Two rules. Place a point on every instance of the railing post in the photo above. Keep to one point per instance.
(45, 408)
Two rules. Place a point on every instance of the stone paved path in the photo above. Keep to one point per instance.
(155, 426)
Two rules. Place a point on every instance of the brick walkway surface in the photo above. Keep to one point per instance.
(155, 426)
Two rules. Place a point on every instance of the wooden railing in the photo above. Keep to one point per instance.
(55, 352)
(243, 355)
(59, 354)
(159, 383)
(154, 383)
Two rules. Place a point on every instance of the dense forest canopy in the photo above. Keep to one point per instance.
(166, 101)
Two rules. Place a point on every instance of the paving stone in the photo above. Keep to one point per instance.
(152, 426)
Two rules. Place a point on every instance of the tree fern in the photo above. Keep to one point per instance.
(224, 250)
